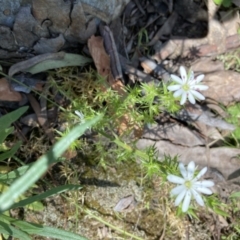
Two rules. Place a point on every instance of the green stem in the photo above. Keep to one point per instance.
(87, 211)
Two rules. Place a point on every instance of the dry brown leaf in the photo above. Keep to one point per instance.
(223, 87)
(206, 65)
(7, 94)
(41, 116)
(100, 57)
(125, 204)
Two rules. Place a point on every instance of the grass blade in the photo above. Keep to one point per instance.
(42, 164)
(46, 194)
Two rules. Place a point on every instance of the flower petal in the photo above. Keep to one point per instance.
(174, 87)
(183, 74)
(186, 201)
(177, 190)
(200, 87)
(182, 170)
(197, 94)
(199, 78)
(178, 93)
(190, 170)
(198, 197)
(184, 98)
(200, 174)
(180, 197)
(191, 76)
(203, 190)
(175, 179)
(176, 79)
(191, 98)
(204, 183)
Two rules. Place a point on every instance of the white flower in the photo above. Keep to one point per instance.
(187, 86)
(80, 115)
(189, 185)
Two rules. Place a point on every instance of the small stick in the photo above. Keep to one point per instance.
(111, 49)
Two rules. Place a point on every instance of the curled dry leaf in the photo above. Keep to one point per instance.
(125, 204)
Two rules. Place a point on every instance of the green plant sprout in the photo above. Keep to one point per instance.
(231, 60)
(234, 118)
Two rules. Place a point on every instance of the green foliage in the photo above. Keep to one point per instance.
(21, 230)
(141, 103)
(224, 3)
(231, 60)
(142, 37)
(6, 130)
(234, 118)
(39, 167)
(69, 59)
(26, 177)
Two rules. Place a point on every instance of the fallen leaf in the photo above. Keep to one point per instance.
(100, 57)
(125, 203)
(206, 65)
(7, 94)
(223, 87)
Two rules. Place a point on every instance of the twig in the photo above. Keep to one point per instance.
(111, 49)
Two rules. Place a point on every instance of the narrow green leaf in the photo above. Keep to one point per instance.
(35, 206)
(15, 173)
(218, 2)
(42, 164)
(10, 153)
(41, 230)
(235, 195)
(68, 60)
(46, 194)
(220, 212)
(12, 231)
(4, 133)
(8, 119)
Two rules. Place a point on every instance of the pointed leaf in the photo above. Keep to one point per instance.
(46, 194)
(42, 164)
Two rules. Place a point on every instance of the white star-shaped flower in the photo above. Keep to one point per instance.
(189, 186)
(80, 115)
(188, 87)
